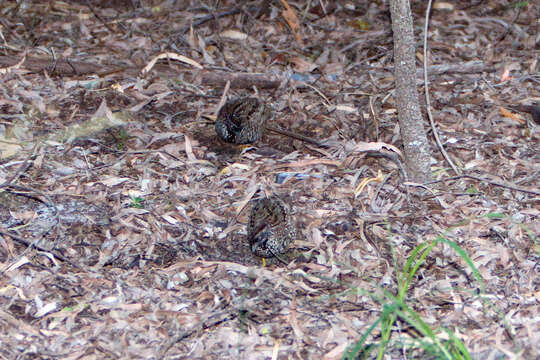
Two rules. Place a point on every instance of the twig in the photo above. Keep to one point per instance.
(443, 204)
(506, 186)
(55, 61)
(295, 136)
(481, 179)
(60, 66)
(428, 102)
(98, 16)
(362, 232)
(24, 166)
(207, 324)
(390, 156)
(34, 244)
(223, 99)
(362, 38)
(8, 184)
(241, 80)
(372, 203)
(278, 257)
(49, 202)
(318, 92)
(374, 117)
(207, 18)
(468, 67)
(534, 110)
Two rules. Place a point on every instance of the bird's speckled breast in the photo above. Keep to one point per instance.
(270, 229)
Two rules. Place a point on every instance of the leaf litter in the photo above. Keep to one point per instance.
(150, 215)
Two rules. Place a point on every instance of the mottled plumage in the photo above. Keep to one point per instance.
(242, 120)
(270, 229)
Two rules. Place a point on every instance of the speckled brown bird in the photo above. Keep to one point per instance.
(270, 228)
(244, 120)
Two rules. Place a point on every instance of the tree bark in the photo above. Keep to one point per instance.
(415, 143)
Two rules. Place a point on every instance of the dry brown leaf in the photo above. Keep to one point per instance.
(111, 181)
(291, 19)
(141, 272)
(302, 65)
(362, 146)
(22, 261)
(293, 321)
(234, 35)
(511, 115)
(189, 149)
(442, 5)
(8, 69)
(172, 56)
(9, 149)
(336, 353)
(311, 162)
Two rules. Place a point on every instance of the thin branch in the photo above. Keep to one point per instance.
(207, 18)
(506, 186)
(212, 321)
(89, 5)
(428, 102)
(24, 166)
(468, 67)
(34, 243)
(296, 136)
(481, 179)
(30, 244)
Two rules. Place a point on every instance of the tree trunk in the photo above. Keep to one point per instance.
(416, 146)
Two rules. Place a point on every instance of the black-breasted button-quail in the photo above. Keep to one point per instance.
(270, 228)
(244, 120)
